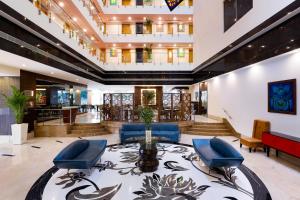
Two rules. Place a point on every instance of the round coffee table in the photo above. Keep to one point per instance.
(180, 175)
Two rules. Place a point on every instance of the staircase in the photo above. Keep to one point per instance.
(209, 129)
(85, 130)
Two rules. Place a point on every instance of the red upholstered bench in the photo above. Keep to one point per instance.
(281, 142)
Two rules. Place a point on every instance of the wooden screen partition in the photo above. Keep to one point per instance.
(118, 107)
(168, 106)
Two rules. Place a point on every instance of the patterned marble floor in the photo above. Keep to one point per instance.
(29, 162)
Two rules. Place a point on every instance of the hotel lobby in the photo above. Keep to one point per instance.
(149, 100)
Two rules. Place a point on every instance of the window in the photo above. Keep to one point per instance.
(180, 28)
(180, 53)
(234, 10)
(113, 2)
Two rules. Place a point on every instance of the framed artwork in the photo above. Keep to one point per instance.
(181, 28)
(113, 52)
(144, 93)
(282, 97)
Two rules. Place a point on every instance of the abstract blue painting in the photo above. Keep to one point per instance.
(282, 97)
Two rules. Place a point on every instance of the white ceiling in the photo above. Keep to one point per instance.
(11, 63)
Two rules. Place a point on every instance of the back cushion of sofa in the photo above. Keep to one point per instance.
(74, 149)
(133, 127)
(223, 148)
(164, 127)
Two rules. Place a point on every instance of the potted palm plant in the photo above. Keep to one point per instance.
(17, 102)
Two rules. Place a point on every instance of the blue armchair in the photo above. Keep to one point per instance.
(217, 153)
(81, 154)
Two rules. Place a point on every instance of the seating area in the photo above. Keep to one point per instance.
(216, 153)
(169, 132)
(81, 154)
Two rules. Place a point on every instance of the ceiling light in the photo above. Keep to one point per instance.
(190, 19)
(114, 18)
(174, 45)
(159, 45)
(129, 45)
(145, 45)
(53, 18)
(22, 46)
(38, 45)
(159, 18)
(114, 45)
(292, 40)
(92, 38)
(288, 47)
(263, 46)
(84, 30)
(129, 18)
(57, 44)
(190, 45)
(174, 18)
(51, 72)
(77, 79)
(92, 7)
(249, 46)
(74, 19)
(61, 4)
(144, 18)
(23, 65)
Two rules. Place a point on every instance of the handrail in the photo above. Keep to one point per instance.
(228, 115)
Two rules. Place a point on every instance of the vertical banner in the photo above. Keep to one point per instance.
(172, 4)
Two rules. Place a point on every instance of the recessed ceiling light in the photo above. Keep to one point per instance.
(22, 46)
(57, 44)
(174, 18)
(174, 45)
(190, 19)
(74, 19)
(292, 40)
(114, 18)
(288, 47)
(145, 45)
(92, 38)
(159, 45)
(23, 65)
(144, 18)
(51, 72)
(263, 46)
(159, 18)
(129, 18)
(129, 45)
(92, 7)
(38, 45)
(114, 45)
(61, 4)
(190, 45)
(249, 46)
(53, 18)
(84, 30)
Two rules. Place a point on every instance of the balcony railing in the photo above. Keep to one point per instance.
(142, 3)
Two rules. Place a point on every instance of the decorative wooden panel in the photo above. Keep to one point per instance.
(186, 107)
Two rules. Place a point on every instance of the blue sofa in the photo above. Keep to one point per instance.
(81, 154)
(168, 131)
(216, 153)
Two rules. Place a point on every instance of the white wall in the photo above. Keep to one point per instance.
(209, 26)
(243, 94)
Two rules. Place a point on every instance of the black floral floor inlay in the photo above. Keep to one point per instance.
(180, 176)
(59, 141)
(36, 147)
(7, 155)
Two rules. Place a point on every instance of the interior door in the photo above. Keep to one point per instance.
(139, 28)
(191, 29)
(139, 55)
(126, 57)
(170, 28)
(139, 2)
(126, 29)
(170, 55)
(191, 56)
(126, 2)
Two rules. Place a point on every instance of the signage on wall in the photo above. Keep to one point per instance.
(172, 4)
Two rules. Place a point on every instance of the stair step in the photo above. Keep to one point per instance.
(209, 129)
(88, 131)
(86, 127)
(208, 125)
(208, 133)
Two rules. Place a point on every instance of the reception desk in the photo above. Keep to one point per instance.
(69, 114)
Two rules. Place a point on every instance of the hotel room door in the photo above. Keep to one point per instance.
(126, 57)
(170, 55)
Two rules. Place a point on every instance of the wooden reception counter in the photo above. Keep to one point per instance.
(69, 114)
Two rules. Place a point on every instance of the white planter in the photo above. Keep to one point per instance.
(19, 133)
(148, 136)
